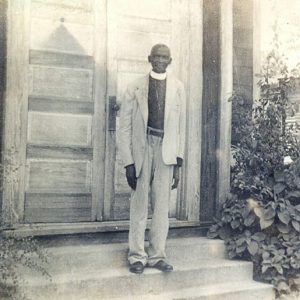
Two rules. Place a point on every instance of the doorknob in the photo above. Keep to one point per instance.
(116, 107)
(113, 109)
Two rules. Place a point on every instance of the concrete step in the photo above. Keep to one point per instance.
(87, 257)
(119, 282)
(234, 291)
(100, 271)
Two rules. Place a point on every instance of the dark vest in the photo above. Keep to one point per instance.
(156, 103)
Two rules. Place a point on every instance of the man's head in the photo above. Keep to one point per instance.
(160, 58)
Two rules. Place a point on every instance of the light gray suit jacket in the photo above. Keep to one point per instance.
(134, 120)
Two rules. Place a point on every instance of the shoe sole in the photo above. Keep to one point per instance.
(136, 272)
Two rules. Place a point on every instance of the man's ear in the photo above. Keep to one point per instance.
(149, 58)
(170, 60)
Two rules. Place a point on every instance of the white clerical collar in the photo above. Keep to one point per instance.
(158, 76)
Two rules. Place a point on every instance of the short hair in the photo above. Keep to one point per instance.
(157, 46)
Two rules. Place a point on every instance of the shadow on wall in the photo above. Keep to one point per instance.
(64, 39)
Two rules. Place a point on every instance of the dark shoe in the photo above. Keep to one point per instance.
(136, 267)
(163, 266)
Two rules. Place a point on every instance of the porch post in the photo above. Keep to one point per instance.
(226, 84)
(3, 22)
(15, 110)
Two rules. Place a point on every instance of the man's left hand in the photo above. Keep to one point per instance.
(175, 177)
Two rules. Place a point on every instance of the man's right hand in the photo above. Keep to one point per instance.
(131, 176)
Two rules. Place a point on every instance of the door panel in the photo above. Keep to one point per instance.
(47, 208)
(67, 83)
(61, 175)
(59, 129)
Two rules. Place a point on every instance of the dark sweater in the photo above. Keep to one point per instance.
(156, 103)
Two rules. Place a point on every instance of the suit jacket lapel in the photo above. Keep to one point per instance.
(170, 90)
(142, 98)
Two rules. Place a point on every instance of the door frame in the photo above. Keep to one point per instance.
(15, 110)
(190, 69)
(100, 109)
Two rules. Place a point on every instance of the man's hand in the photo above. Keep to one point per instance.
(175, 177)
(131, 176)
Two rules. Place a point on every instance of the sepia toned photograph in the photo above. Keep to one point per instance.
(150, 149)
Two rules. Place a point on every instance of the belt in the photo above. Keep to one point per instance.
(155, 133)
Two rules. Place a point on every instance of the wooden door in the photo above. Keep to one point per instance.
(66, 113)
(133, 28)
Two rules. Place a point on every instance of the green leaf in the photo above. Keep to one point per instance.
(241, 249)
(264, 268)
(278, 188)
(277, 258)
(249, 220)
(245, 212)
(258, 211)
(297, 217)
(235, 224)
(283, 228)
(253, 247)
(265, 255)
(259, 236)
(284, 217)
(297, 207)
(240, 241)
(265, 223)
(227, 218)
(212, 234)
(296, 225)
(279, 268)
(225, 232)
(231, 254)
(269, 213)
(293, 194)
(282, 286)
(279, 176)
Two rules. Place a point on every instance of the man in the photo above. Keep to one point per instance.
(152, 141)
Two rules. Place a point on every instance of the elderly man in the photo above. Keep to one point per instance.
(152, 141)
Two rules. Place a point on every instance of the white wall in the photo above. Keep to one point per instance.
(287, 15)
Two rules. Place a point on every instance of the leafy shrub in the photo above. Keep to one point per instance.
(260, 220)
(16, 253)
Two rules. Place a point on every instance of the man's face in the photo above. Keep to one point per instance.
(160, 59)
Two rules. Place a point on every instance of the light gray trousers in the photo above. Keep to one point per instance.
(155, 182)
